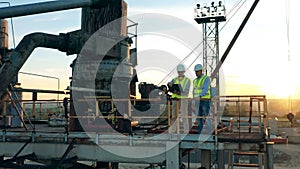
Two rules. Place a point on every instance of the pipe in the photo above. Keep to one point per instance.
(51, 6)
(18, 57)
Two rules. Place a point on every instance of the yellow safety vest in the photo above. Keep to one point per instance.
(198, 86)
(183, 84)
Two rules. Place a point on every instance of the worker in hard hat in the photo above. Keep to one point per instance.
(179, 99)
(201, 93)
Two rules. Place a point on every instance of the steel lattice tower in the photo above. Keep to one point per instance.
(210, 17)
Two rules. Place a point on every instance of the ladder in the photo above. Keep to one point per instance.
(244, 159)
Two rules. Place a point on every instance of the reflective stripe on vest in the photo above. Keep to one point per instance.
(198, 86)
(183, 84)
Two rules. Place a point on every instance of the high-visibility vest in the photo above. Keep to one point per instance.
(183, 84)
(198, 84)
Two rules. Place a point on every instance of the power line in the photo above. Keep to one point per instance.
(287, 9)
(236, 7)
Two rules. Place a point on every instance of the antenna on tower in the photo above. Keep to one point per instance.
(215, 12)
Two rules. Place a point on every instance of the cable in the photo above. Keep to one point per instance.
(287, 6)
(13, 32)
(181, 62)
(288, 28)
(237, 5)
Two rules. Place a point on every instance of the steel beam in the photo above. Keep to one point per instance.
(22, 148)
(39, 91)
(85, 152)
(70, 147)
(10, 162)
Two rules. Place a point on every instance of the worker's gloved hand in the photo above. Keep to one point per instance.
(170, 84)
(176, 92)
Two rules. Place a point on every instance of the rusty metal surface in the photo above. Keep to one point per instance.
(244, 137)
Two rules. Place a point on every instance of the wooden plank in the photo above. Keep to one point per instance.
(246, 153)
(245, 165)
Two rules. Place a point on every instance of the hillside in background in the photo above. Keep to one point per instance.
(281, 107)
(276, 107)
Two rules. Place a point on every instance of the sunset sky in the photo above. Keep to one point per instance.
(257, 64)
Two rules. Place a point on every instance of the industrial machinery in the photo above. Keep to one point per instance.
(102, 95)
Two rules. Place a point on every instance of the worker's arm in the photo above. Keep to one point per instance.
(171, 83)
(205, 87)
(187, 89)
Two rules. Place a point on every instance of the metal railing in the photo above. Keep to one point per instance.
(245, 114)
(228, 113)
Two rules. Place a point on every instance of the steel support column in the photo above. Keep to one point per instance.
(221, 155)
(211, 51)
(269, 156)
(206, 158)
(172, 155)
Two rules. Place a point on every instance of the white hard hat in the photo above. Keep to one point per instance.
(198, 67)
(180, 68)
